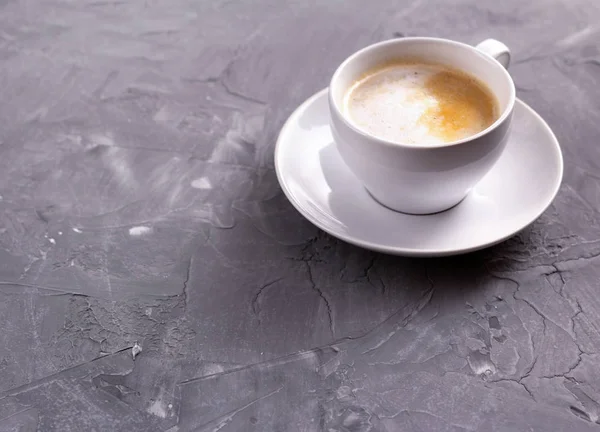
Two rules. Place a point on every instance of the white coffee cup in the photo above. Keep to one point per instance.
(414, 178)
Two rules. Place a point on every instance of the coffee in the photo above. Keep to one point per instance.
(419, 103)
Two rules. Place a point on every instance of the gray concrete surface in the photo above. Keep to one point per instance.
(139, 205)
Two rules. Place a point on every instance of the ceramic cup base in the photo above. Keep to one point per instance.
(374, 198)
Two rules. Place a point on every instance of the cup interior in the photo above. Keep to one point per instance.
(442, 51)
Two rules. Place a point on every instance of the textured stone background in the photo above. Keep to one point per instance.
(139, 205)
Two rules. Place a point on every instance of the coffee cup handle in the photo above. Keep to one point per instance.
(495, 49)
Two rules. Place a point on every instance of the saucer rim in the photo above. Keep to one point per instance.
(403, 251)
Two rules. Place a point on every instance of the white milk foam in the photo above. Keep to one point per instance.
(390, 103)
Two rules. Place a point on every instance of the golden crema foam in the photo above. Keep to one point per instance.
(419, 103)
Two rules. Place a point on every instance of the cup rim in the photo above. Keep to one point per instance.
(505, 114)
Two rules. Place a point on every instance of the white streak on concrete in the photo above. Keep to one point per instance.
(158, 409)
(139, 230)
(201, 183)
(135, 350)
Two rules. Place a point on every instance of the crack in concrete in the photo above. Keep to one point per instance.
(184, 293)
(224, 419)
(367, 275)
(532, 340)
(267, 363)
(221, 79)
(527, 373)
(518, 382)
(17, 413)
(425, 300)
(560, 274)
(58, 291)
(578, 312)
(581, 258)
(319, 291)
(39, 382)
(427, 296)
(256, 299)
(538, 312)
(578, 308)
(570, 368)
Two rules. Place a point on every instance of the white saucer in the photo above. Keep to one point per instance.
(511, 196)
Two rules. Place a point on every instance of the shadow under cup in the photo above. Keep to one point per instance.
(421, 178)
